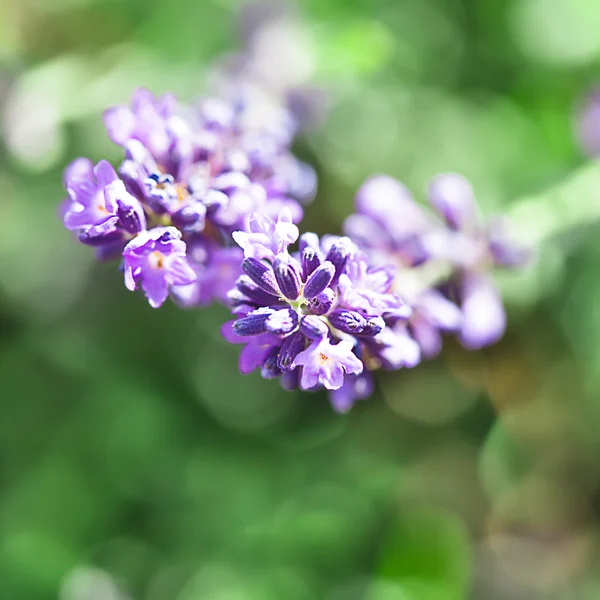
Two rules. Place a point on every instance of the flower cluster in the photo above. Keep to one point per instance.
(319, 317)
(205, 205)
(191, 175)
(444, 257)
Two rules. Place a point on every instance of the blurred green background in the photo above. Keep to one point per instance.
(137, 464)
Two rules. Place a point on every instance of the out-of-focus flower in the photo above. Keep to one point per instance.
(317, 317)
(444, 260)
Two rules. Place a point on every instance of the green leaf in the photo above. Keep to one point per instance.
(425, 556)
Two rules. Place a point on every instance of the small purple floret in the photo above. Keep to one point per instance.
(156, 260)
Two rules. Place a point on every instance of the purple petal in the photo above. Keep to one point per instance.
(120, 124)
(389, 202)
(179, 272)
(355, 387)
(484, 318)
(105, 173)
(229, 334)
(440, 311)
(453, 197)
(81, 169)
(254, 353)
(427, 336)
(155, 287)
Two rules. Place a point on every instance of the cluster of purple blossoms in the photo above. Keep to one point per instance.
(322, 317)
(444, 257)
(205, 205)
(340, 308)
(191, 176)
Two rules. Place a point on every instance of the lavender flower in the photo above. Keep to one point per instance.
(200, 171)
(156, 260)
(320, 315)
(152, 121)
(473, 249)
(443, 261)
(325, 364)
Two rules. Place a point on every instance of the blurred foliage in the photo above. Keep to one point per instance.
(138, 464)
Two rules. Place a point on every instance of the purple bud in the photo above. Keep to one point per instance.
(308, 240)
(101, 234)
(269, 368)
(313, 327)
(322, 303)
(131, 218)
(253, 324)
(289, 380)
(311, 259)
(282, 322)
(374, 326)
(339, 253)
(190, 218)
(453, 197)
(348, 321)
(287, 273)
(319, 280)
(291, 347)
(261, 274)
(252, 292)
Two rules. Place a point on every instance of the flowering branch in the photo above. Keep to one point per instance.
(205, 206)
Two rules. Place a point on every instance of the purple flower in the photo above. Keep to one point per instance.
(264, 238)
(156, 260)
(325, 364)
(484, 318)
(355, 387)
(217, 270)
(150, 120)
(473, 249)
(368, 288)
(433, 314)
(201, 170)
(256, 349)
(94, 193)
(453, 253)
(388, 219)
(453, 198)
(325, 305)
